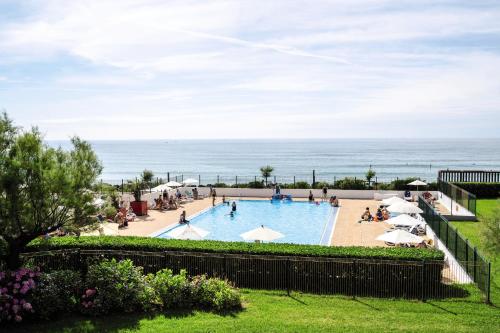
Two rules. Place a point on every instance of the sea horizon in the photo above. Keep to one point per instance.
(222, 160)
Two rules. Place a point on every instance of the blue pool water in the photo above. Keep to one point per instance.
(300, 222)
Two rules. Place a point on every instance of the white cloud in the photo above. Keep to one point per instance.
(112, 69)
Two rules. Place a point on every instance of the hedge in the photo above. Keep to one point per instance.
(482, 190)
(148, 244)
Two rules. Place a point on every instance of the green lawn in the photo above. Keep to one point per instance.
(470, 230)
(268, 311)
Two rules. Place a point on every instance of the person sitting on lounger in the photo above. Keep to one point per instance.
(367, 216)
(311, 197)
(385, 213)
(182, 218)
(172, 204)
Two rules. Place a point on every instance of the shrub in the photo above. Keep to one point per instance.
(349, 183)
(131, 243)
(482, 190)
(110, 211)
(56, 293)
(174, 291)
(320, 185)
(113, 286)
(221, 185)
(215, 294)
(16, 289)
(256, 184)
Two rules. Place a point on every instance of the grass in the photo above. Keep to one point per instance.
(470, 230)
(273, 311)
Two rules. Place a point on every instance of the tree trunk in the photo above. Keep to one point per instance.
(13, 259)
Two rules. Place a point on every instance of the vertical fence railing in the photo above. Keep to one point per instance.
(466, 176)
(471, 260)
(459, 195)
(351, 277)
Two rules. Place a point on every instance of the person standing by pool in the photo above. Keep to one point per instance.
(325, 192)
(214, 196)
(278, 189)
(311, 197)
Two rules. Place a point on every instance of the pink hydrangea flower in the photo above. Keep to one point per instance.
(27, 306)
(18, 318)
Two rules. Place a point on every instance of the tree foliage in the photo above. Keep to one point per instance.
(266, 172)
(42, 188)
(490, 231)
(147, 176)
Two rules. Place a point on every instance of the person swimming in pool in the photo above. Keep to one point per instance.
(233, 207)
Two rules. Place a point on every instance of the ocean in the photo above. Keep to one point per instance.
(209, 160)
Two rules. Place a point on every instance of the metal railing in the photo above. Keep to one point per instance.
(471, 260)
(352, 277)
(469, 176)
(459, 195)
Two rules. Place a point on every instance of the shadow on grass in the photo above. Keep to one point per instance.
(112, 323)
(357, 300)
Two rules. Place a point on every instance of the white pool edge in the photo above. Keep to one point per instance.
(189, 218)
(333, 222)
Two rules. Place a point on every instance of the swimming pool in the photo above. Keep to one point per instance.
(300, 222)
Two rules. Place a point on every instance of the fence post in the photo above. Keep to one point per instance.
(225, 268)
(314, 178)
(456, 244)
(168, 177)
(122, 186)
(293, 181)
(353, 278)
(218, 179)
(488, 285)
(474, 261)
(199, 179)
(467, 255)
(288, 276)
(447, 232)
(236, 181)
(422, 282)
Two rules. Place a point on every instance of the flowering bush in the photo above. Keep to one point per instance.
(16, 289)
(113, 286)
(57, 292)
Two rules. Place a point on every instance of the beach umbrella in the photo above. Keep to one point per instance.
(404, 208)
(190, 181)
(161, 188)
(417, 183)
(262, 234)
(188, 232)
(400, 236)
(405, 220)
(391, 201)
(98, 202)
(173, 184)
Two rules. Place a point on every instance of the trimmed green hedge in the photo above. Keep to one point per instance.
(149, 244)
(482, 190)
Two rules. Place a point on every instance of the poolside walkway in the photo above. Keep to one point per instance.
(349, 232)
(156, 220)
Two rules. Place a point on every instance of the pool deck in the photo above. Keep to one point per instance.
(348, 231)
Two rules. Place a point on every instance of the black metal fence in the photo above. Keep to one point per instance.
(469, 176)
(353, 277)
(459, 195)
(471, 260)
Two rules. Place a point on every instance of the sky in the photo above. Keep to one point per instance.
(251, 69)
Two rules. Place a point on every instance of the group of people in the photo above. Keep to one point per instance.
(168, 202)
(334, 201)
(124, 215)
(382, 214)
